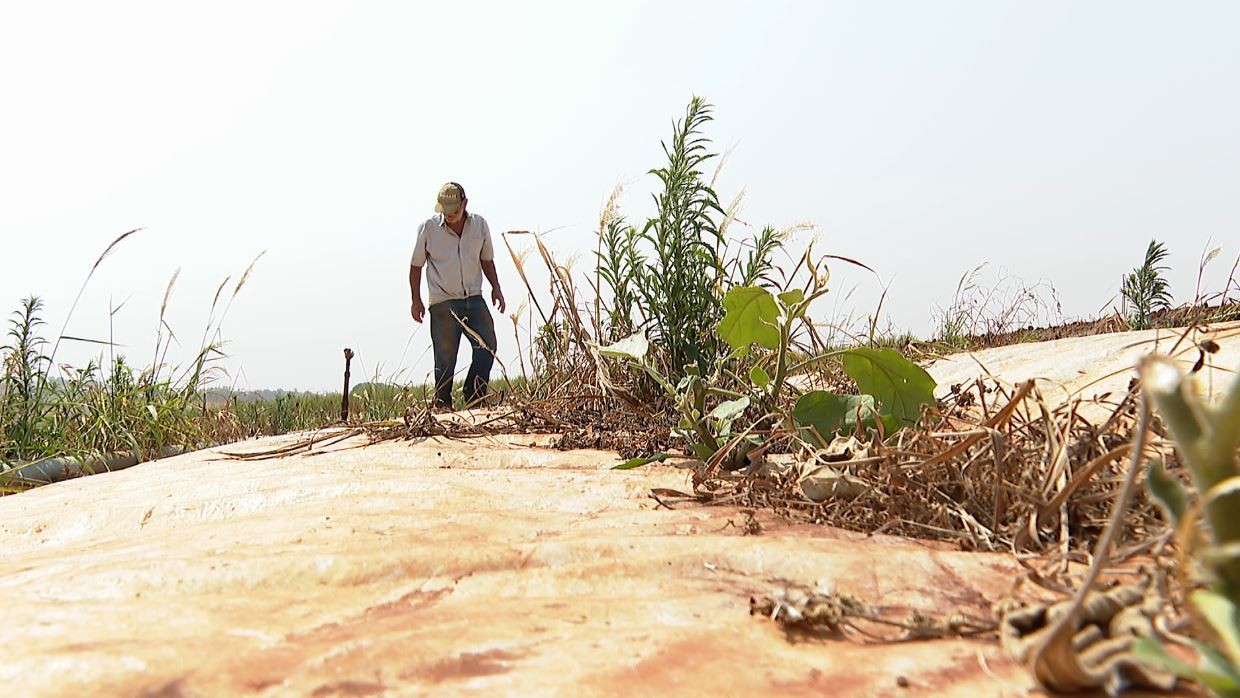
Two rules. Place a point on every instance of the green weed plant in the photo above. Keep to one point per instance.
(1145, 289)
(1206, 439)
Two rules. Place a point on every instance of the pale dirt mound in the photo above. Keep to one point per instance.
(446, 568)
(1100, 366)
(455, 567)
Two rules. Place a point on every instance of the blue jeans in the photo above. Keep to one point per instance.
(448, 322)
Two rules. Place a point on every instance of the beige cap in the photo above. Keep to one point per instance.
(450, 197)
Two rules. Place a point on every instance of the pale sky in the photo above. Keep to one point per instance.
(1051, 140)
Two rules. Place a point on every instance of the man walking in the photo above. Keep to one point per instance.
(454, 247)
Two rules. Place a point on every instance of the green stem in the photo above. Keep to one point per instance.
(1226, 421)
(1165, 384)
(724, 392)
(658, 377)
(734, 376)
(1207, 441)
(801, 366)
(781, 363)
(707, 438)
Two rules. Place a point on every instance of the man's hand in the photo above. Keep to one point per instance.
(497, 298)
(418, 311)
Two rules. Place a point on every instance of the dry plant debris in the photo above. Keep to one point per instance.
(816, 611)
(994, 470)
(1097, 654)
(578, 422)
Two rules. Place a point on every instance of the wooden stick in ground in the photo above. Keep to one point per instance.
(344, 400)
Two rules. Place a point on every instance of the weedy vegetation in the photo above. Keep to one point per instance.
(983, 308)
(1145, 289)
(107, 407)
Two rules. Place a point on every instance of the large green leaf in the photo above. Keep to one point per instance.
(631, 347)
(730, 410)
(830, 414)
(750, 317)
(791, 298)
(900, 386)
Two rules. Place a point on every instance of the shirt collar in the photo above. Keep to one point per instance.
(443, 223)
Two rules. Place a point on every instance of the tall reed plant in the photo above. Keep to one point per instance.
(1145, 289)
(108, 405)
(667, 277)
(23, 413)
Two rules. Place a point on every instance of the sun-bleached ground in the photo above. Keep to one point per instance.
(485, 566)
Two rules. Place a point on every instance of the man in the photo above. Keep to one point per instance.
(455, 249)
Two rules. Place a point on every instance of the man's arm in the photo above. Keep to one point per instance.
(417, 310)
(497, 296)
(416, 262)
(487, 258)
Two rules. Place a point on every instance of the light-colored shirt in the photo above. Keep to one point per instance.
(452, 264)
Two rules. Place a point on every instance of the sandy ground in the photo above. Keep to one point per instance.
(486, 567)
(439, 568)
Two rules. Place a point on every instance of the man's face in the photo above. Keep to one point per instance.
(458, 216)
